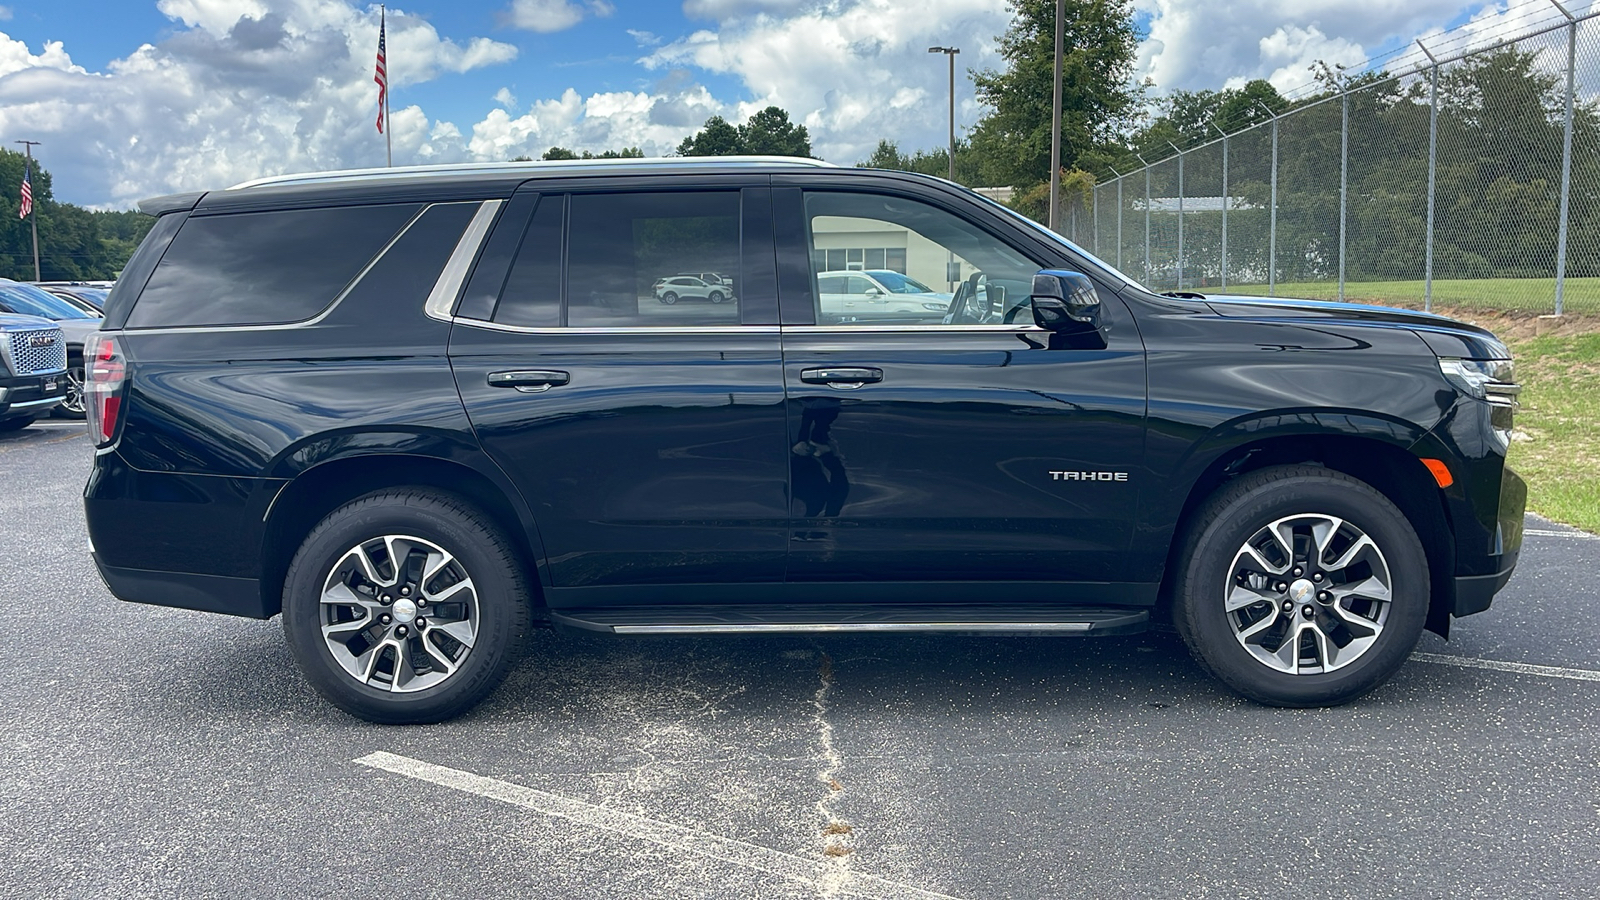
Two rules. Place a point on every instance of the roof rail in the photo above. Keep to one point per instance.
(529, 167)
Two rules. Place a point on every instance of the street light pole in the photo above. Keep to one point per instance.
(33, 213)
(1055, 128)
(951, 53)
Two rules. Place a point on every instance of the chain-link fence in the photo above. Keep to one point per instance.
(1468, 180)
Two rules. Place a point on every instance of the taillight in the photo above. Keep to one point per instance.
(104, 376)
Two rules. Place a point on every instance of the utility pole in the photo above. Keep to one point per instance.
(951, 53)
(1055, 128)
(33, 213)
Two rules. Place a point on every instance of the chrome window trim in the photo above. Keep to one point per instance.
(913, 329)
(757, 329)
(641, 329)
(281, 326)
(441, 301)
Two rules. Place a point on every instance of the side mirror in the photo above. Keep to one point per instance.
(874, 292)
(1065, 301)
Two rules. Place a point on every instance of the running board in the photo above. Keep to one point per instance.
(1037, 619)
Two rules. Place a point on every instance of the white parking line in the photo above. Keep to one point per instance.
(1468, 662)
(674, 837)
(1577, 535)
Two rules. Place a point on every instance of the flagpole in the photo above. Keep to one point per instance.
(388, 123)
(33, 210)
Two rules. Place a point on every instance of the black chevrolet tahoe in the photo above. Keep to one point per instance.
(421, 411)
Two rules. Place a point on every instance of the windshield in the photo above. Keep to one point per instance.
(1088, 257)
(32, 301)
(896, 283)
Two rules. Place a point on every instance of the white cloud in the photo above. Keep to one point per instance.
(5, 13)
(14, 57)
(1290, 52)
(644, 38)
(243, 89)
(1194, 44)
(505, 98)
(852, 73)
(552, 15)
(725, 9)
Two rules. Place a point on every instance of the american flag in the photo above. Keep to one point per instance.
(27, 192)
(381, 76)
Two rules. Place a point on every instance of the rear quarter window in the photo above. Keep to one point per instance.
(264, 268)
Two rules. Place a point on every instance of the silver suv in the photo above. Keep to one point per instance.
(33, 369)
(679, 287)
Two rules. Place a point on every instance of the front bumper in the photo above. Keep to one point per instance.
(31, 394)
(1474, 592)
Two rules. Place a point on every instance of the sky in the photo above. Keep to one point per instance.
(135, 98)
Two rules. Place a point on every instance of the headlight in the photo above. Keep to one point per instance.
(1491, 380)
(1486, 379)
(936, 307)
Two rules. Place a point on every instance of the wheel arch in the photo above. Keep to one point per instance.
(1386, 465)
(321, 489)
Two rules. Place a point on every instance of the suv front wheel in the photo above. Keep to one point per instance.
(1301, 586)
(405, 606)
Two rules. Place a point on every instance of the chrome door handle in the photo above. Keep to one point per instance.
(529, 381)
(844, 378)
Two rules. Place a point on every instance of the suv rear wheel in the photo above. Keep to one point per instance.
(405, 606)
(1301, 586)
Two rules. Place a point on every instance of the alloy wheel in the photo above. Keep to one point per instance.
(399, 613)
(73, 401)
(1308, 594)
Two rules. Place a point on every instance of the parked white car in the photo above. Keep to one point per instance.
(878, 294)
(682, 287)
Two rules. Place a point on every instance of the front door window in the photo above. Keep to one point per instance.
(925, 266)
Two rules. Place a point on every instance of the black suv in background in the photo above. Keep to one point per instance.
(419, 411)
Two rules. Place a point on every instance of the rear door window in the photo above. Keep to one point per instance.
(264, 268)
(621, 245)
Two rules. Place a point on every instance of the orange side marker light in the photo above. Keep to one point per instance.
(1441, 472)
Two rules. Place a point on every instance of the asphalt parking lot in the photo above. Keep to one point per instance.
(156, 752)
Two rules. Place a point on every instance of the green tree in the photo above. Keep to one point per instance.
(969, 163)
(716, 138)
(564, 153)
(770, 133)
(74, 243)
(1100, 100)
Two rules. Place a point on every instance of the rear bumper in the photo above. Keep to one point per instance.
(184, 590)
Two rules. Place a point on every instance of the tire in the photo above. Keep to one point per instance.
(669, 298)
(17, 424)
(71, 407)
(1247, 648)
(465, 657)
(717, 297)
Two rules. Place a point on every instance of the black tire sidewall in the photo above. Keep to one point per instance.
(502, 604)
(1242, 512)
